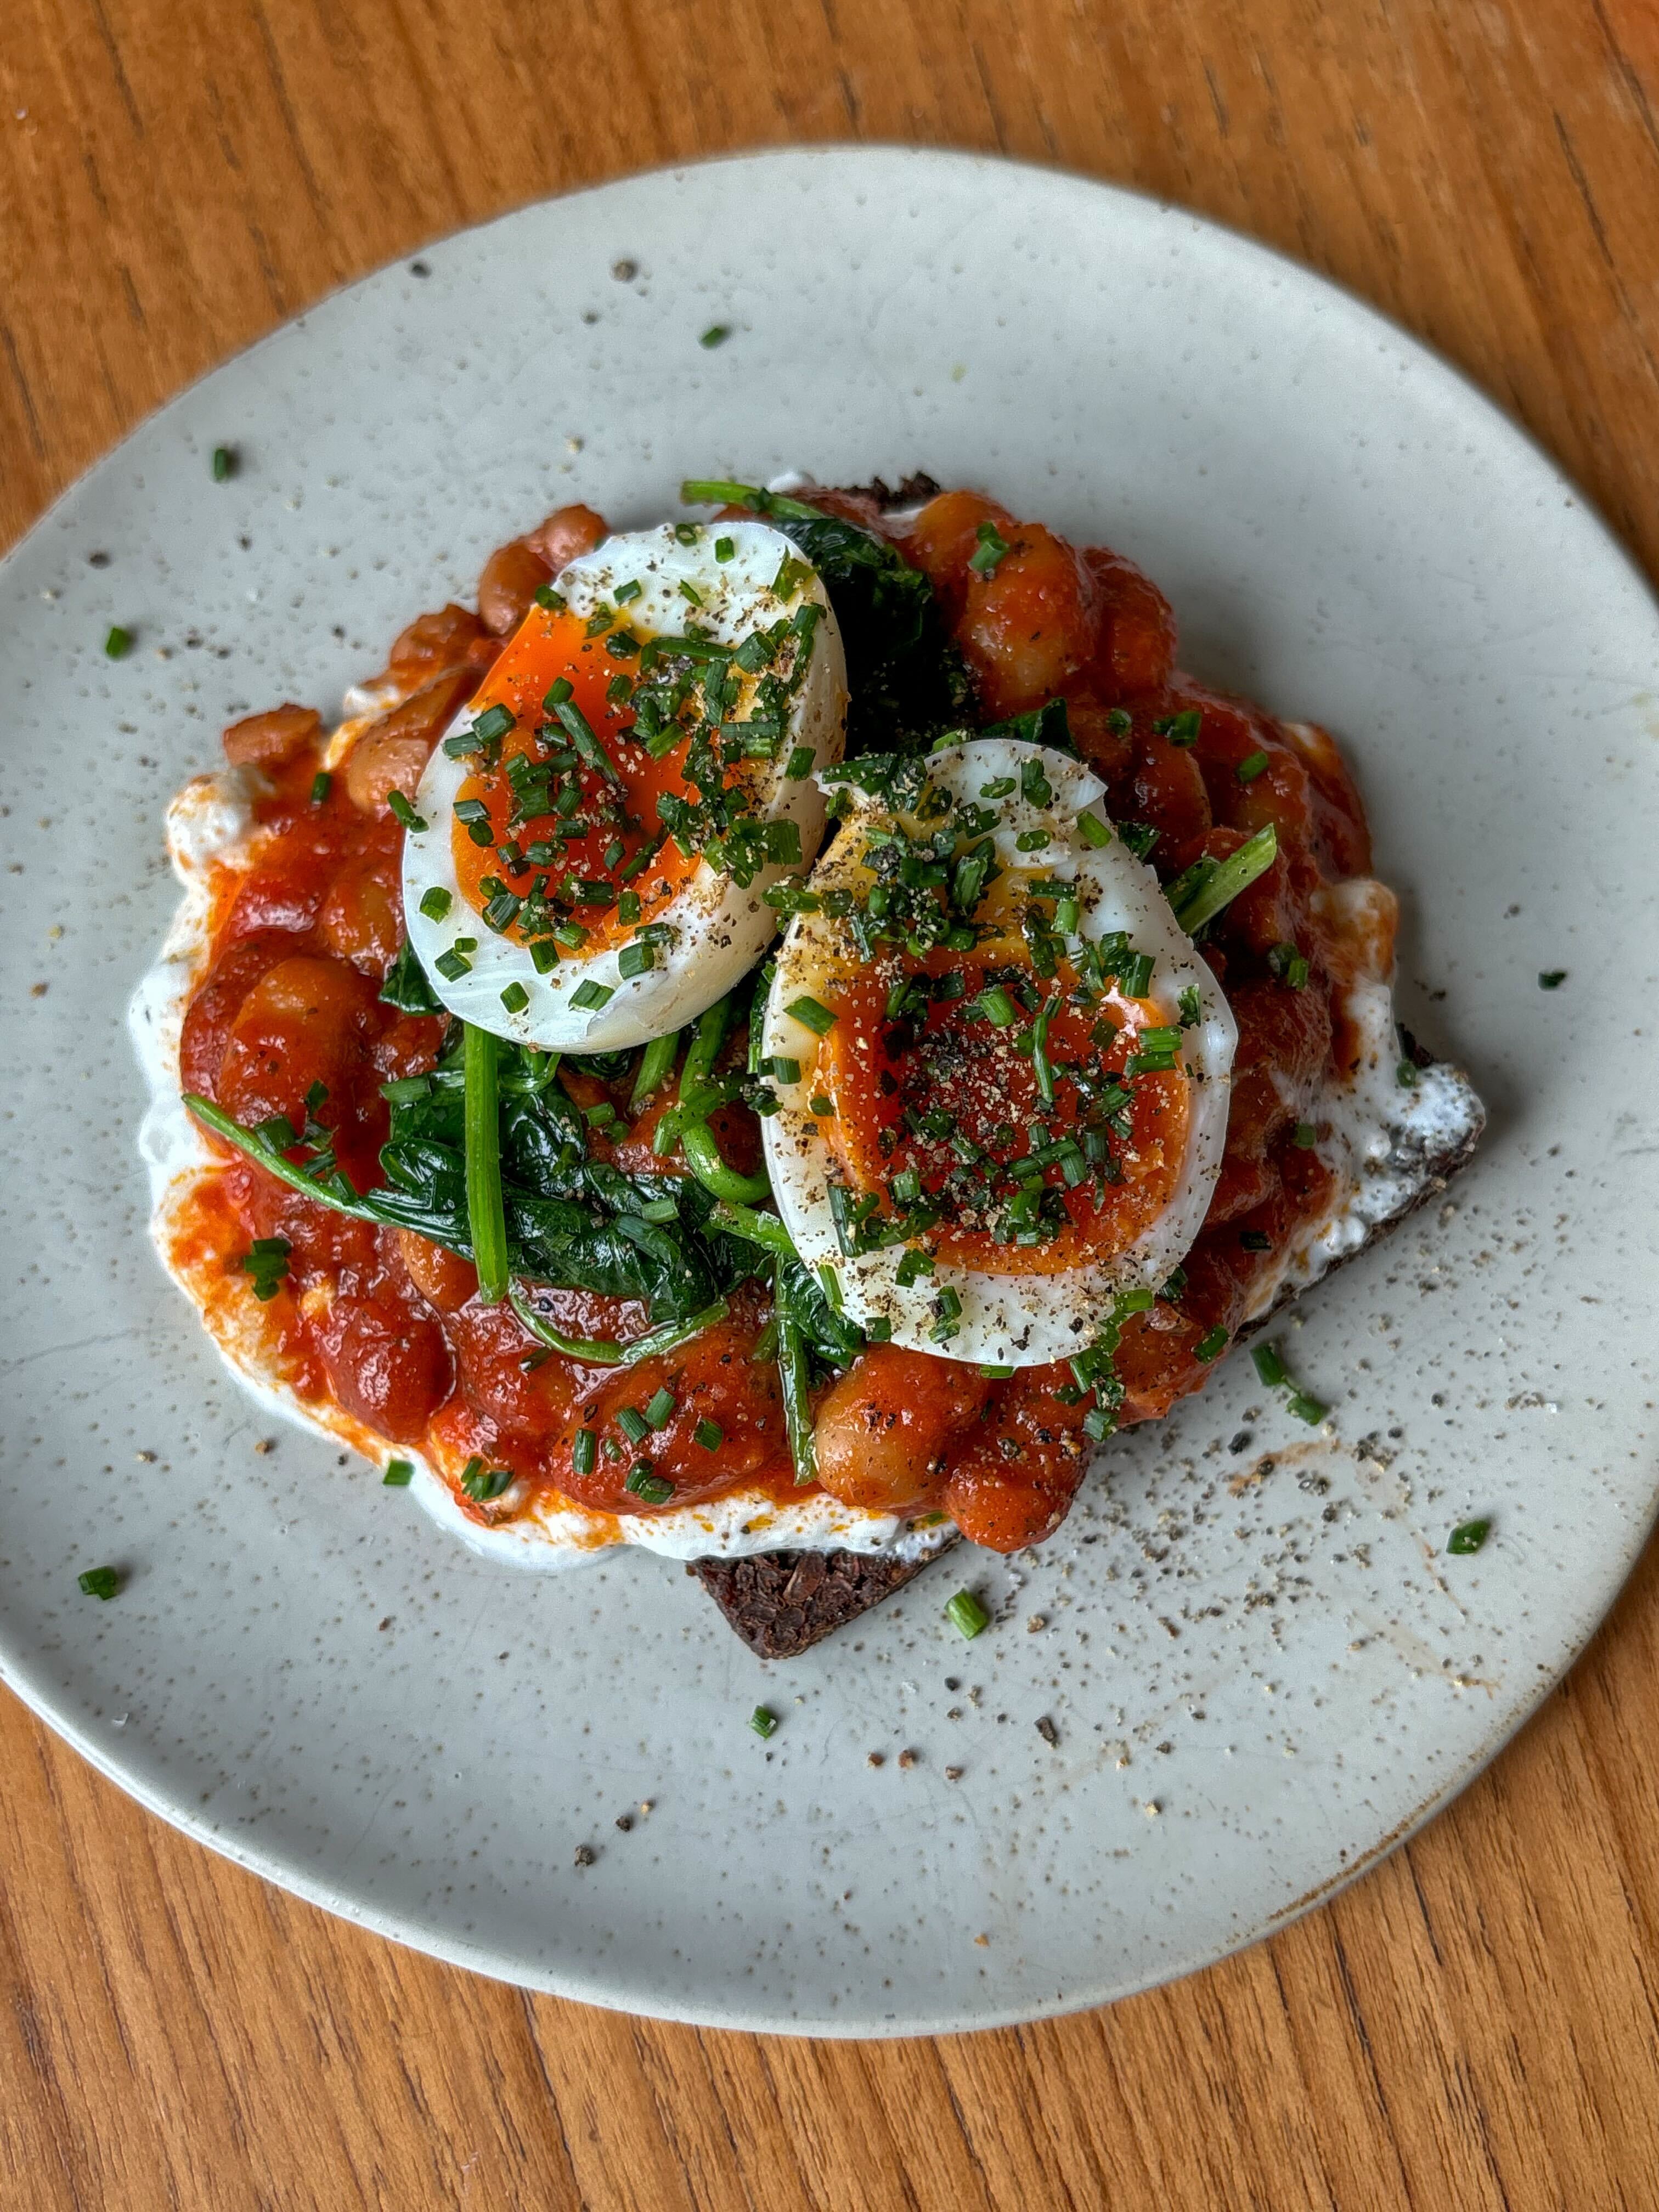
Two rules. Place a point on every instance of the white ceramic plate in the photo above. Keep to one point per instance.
(1257, 1686)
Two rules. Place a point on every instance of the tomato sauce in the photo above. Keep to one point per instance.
(384, 1329)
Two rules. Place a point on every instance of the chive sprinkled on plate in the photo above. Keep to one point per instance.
(98, 1581)
(223, 464)
(1468, 1537)
(399, 1473)
(1551, 979)
(965, 1612)
(1269, 1366)
(715, 335)
(764, 1722)
(118, 642)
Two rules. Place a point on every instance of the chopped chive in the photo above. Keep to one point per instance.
(1093, 831)
(117, 641)
(636, 959)
(1211, 1346)
(1549, 979)
(659, 1408)
(404, 813)
(1466, 1536)
(764, 1723)
(399, 1473)
(1304, 1136)
(1229, 878)
(1305, 1408)
(1288, 965)
(1249, 768)
(321, 784)
(626, 593)
(223, 464)
(1181, 729)
(494, 722)
(993, 1374)
(436, 903)
(1269, 1366)
(709, 1434)
(515, 998)
(589, 996)
(632, 1425)
(800, 763)
(965, 1613)
(715, 335)
(812, 1014)
(724, 549)
(1406, 1075)
(452, 964)
(1041, 1066)
(991, 548)
(585, 1451)
(646, 1485)
(998, 1008)
(98, 1581)
(482, 1483)
(554, 602)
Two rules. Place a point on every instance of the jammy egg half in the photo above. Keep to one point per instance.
(586, 855)
(1001, 1066)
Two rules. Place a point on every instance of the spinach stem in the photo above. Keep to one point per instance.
(699, 491)
(486, 1213)
(656, 1064)
(704, 1158)
(606, 1352)
(270, 1158)
(762, 1229)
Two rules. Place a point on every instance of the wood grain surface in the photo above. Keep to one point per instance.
(1474, 2024)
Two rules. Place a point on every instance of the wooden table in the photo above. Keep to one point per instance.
(1473, 2025)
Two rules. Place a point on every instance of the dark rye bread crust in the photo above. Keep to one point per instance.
(780, 1603)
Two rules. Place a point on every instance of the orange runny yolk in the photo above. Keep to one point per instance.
(615, 821)
(975, 1095)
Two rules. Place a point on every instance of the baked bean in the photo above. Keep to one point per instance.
(511, 578)
(432, 643)
(1135, 643)
(883, 1430)
(386, 1364)
(567, 532)
(272, 739)
(306, 1021)
(217, 1004)
(443, 1279)
(1016, 1476)
(391, 753)
(362, 918)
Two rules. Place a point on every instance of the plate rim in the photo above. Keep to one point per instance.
(274, 1865)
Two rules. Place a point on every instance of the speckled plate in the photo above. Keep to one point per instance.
(1246, 1667)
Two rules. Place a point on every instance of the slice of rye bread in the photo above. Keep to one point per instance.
(780, 1603)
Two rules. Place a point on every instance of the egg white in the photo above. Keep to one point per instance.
(1008, 1320)
(720, 928)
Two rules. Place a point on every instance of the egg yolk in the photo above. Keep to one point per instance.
(1007, 1139)
(561, 806)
